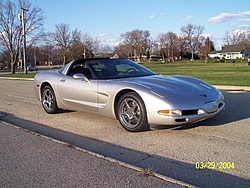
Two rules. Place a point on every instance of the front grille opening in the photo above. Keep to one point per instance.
(182, 120)
(189, 112)
(220, 105)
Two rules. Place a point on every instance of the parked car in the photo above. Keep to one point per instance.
(127, 91)
(32, 68)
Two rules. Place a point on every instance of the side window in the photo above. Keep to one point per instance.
(123, 68)
(96, 67)
(80, 68)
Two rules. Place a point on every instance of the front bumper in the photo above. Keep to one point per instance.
(209, 111)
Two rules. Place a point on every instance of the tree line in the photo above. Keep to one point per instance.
(64, 44)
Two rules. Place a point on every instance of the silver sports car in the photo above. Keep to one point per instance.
(127, 91)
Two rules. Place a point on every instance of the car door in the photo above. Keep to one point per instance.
(78, 94)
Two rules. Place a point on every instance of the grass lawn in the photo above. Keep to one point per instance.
(19, 75)
(213, 72)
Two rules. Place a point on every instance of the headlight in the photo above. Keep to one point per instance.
(178, 113)
(200, 111)
(170, 112)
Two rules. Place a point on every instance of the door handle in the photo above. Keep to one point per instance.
(62, 80)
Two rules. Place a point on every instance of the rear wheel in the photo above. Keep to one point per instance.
(132, 113)
(49, 100)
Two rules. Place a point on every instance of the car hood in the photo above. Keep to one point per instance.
(172, 86)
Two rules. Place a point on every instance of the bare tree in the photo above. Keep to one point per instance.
(123, 50)
(10, 27)
(91, 46)
(47, 54)
(233, 38)
(4, 57)
(168, 44)
(161, 40)
(245, 42)
(76, 50)
(139, 40)
(206, 48)
(155, 48)
(34, 22)
(172, 44)
(63, 38)
(192, 36)
(106, 50)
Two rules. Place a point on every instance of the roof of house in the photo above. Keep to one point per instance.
(232, 48)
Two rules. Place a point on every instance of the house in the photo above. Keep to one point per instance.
(229, 52)
(155, 58)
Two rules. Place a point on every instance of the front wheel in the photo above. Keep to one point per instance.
(49, 100)
(131, 113)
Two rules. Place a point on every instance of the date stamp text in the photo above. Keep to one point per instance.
(214, 165)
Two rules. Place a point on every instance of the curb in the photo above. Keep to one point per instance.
(12, 78)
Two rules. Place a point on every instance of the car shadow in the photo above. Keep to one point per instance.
(171, 168)
(237, 108)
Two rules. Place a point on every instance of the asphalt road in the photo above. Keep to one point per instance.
(28, 160)
(169, 151)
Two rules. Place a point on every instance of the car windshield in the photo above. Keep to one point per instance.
(117, 68)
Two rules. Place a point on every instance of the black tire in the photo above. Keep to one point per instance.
(131, 113)
(49, 100)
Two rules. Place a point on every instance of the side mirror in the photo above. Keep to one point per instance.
(80, 76)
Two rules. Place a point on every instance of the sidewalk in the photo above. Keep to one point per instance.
(233, 88)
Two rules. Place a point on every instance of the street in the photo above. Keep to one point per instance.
(28, 160)
(169, 151)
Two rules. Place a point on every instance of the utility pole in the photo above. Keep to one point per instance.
(84, 53)
(24, 39)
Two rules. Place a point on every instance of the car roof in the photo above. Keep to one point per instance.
(73, 62)
(98, 59)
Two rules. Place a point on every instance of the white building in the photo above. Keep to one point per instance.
(229, 52)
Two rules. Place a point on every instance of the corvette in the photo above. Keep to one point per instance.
(127, 91)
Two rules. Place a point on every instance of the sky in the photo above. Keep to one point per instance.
(108, 19)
